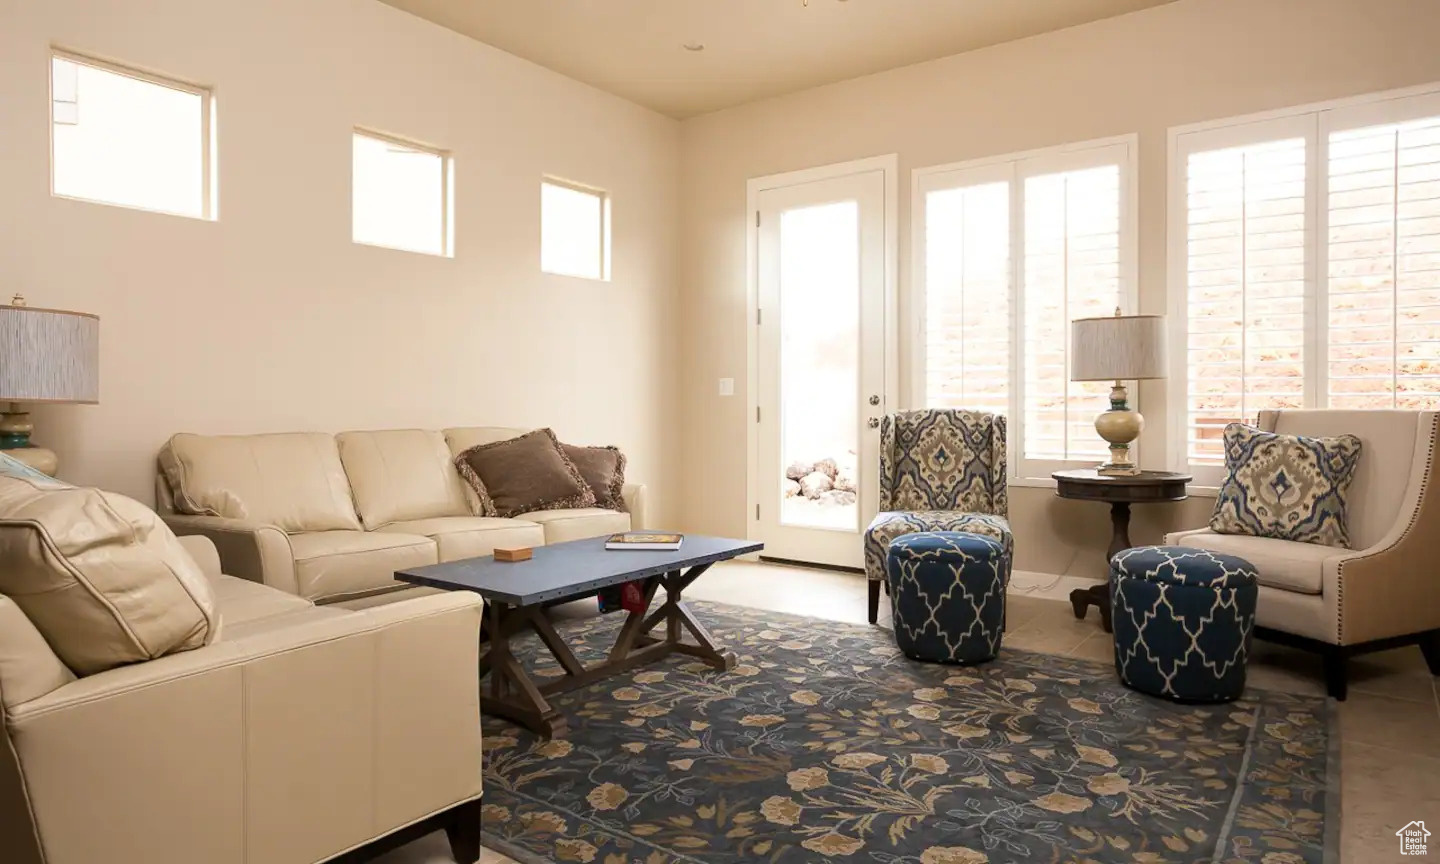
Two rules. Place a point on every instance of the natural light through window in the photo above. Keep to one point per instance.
(130, 138)
(574, 231)
(967, 298)
(1072, 270)
(1384, 267)
(402, 195)
(1310, 259)
(1014, 249)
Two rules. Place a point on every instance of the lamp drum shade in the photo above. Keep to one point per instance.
(1118, 348)
(48, 355)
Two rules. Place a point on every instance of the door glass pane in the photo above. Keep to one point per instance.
(819, 365)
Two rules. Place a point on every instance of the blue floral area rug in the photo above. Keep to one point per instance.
(826, 744)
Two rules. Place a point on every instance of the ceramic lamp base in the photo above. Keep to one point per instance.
(42, 460)
(15, 429)
(1119, 427)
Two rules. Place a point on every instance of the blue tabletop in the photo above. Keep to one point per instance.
(568, 569)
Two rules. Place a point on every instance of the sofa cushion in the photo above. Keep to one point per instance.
(1288, 487)
(459, 537)
(563, 525)
(294, 481)
(251, 608)
(604, 471)
(401, 474)
(241, 601)
(98, 574)
(525, 473)
(462, 438)
(1283, 564)
(342, 565)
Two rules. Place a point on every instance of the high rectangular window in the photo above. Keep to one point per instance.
(129, 138)
(574, 230)
(402, 195)
(1010, 251)
(1305, 264)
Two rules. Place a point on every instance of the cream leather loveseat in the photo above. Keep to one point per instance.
(330, 518)
(1383, 593)
(302, 733)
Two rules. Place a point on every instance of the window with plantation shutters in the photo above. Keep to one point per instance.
(1008, 252)
(1245, 234)
(1072, 270)
(967, 322)
(1305, 266)
(1383, 280)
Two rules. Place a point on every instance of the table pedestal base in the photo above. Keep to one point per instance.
(1098, 596)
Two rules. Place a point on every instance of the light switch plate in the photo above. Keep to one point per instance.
(727, 386)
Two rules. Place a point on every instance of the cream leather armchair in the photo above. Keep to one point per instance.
(1385, 592)
(305, 734)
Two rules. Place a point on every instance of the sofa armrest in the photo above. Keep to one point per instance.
(202, 756)
(203, 550)
(634, 496)
(248, 550)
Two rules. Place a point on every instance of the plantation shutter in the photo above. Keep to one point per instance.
(1072, 269)
(967, 297)
(1244, 265)
(1383, 251)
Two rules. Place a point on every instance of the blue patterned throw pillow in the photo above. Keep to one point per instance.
(1288, 487)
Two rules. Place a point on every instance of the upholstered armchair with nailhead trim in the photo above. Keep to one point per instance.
(1382, 593)
(941, 469)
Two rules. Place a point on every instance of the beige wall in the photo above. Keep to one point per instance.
(1185, 62)
(270, 318)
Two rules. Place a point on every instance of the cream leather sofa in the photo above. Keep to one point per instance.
(330, 518)
(1383, 593)
(303, 734)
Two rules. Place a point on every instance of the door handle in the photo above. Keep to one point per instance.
(874, 423)
(874, 400)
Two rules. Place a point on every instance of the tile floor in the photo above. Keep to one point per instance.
(1389, 726)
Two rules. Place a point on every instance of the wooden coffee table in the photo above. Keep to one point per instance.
(516, 594)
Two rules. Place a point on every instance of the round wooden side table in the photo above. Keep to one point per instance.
(1087, 484)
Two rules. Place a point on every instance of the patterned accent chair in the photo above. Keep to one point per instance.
(941, 469)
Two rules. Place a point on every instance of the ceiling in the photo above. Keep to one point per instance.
(753, 48)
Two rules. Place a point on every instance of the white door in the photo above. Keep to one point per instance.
(822, 324)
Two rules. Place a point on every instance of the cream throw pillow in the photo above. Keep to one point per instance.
(98, 574)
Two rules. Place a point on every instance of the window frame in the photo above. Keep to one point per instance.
(1316, 122)
(447, 190)
(1015, 169)
(209, 186)
(603, 269)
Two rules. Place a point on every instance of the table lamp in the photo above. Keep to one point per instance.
(1119, 348)
(46, 355)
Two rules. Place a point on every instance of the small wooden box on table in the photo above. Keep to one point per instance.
(516, 595)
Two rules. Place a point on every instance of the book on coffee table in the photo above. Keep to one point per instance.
(644, 540)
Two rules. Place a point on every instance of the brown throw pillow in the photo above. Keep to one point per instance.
(524, 474)
(604, 470)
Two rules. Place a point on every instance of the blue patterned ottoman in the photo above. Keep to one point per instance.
(947, 590)
(1183, 619)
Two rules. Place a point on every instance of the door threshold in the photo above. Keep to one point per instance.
(810, 565)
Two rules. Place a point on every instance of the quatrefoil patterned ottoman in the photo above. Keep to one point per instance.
(1183, 619)
(947, 592)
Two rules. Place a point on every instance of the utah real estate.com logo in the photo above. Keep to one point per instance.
(1414, 839)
